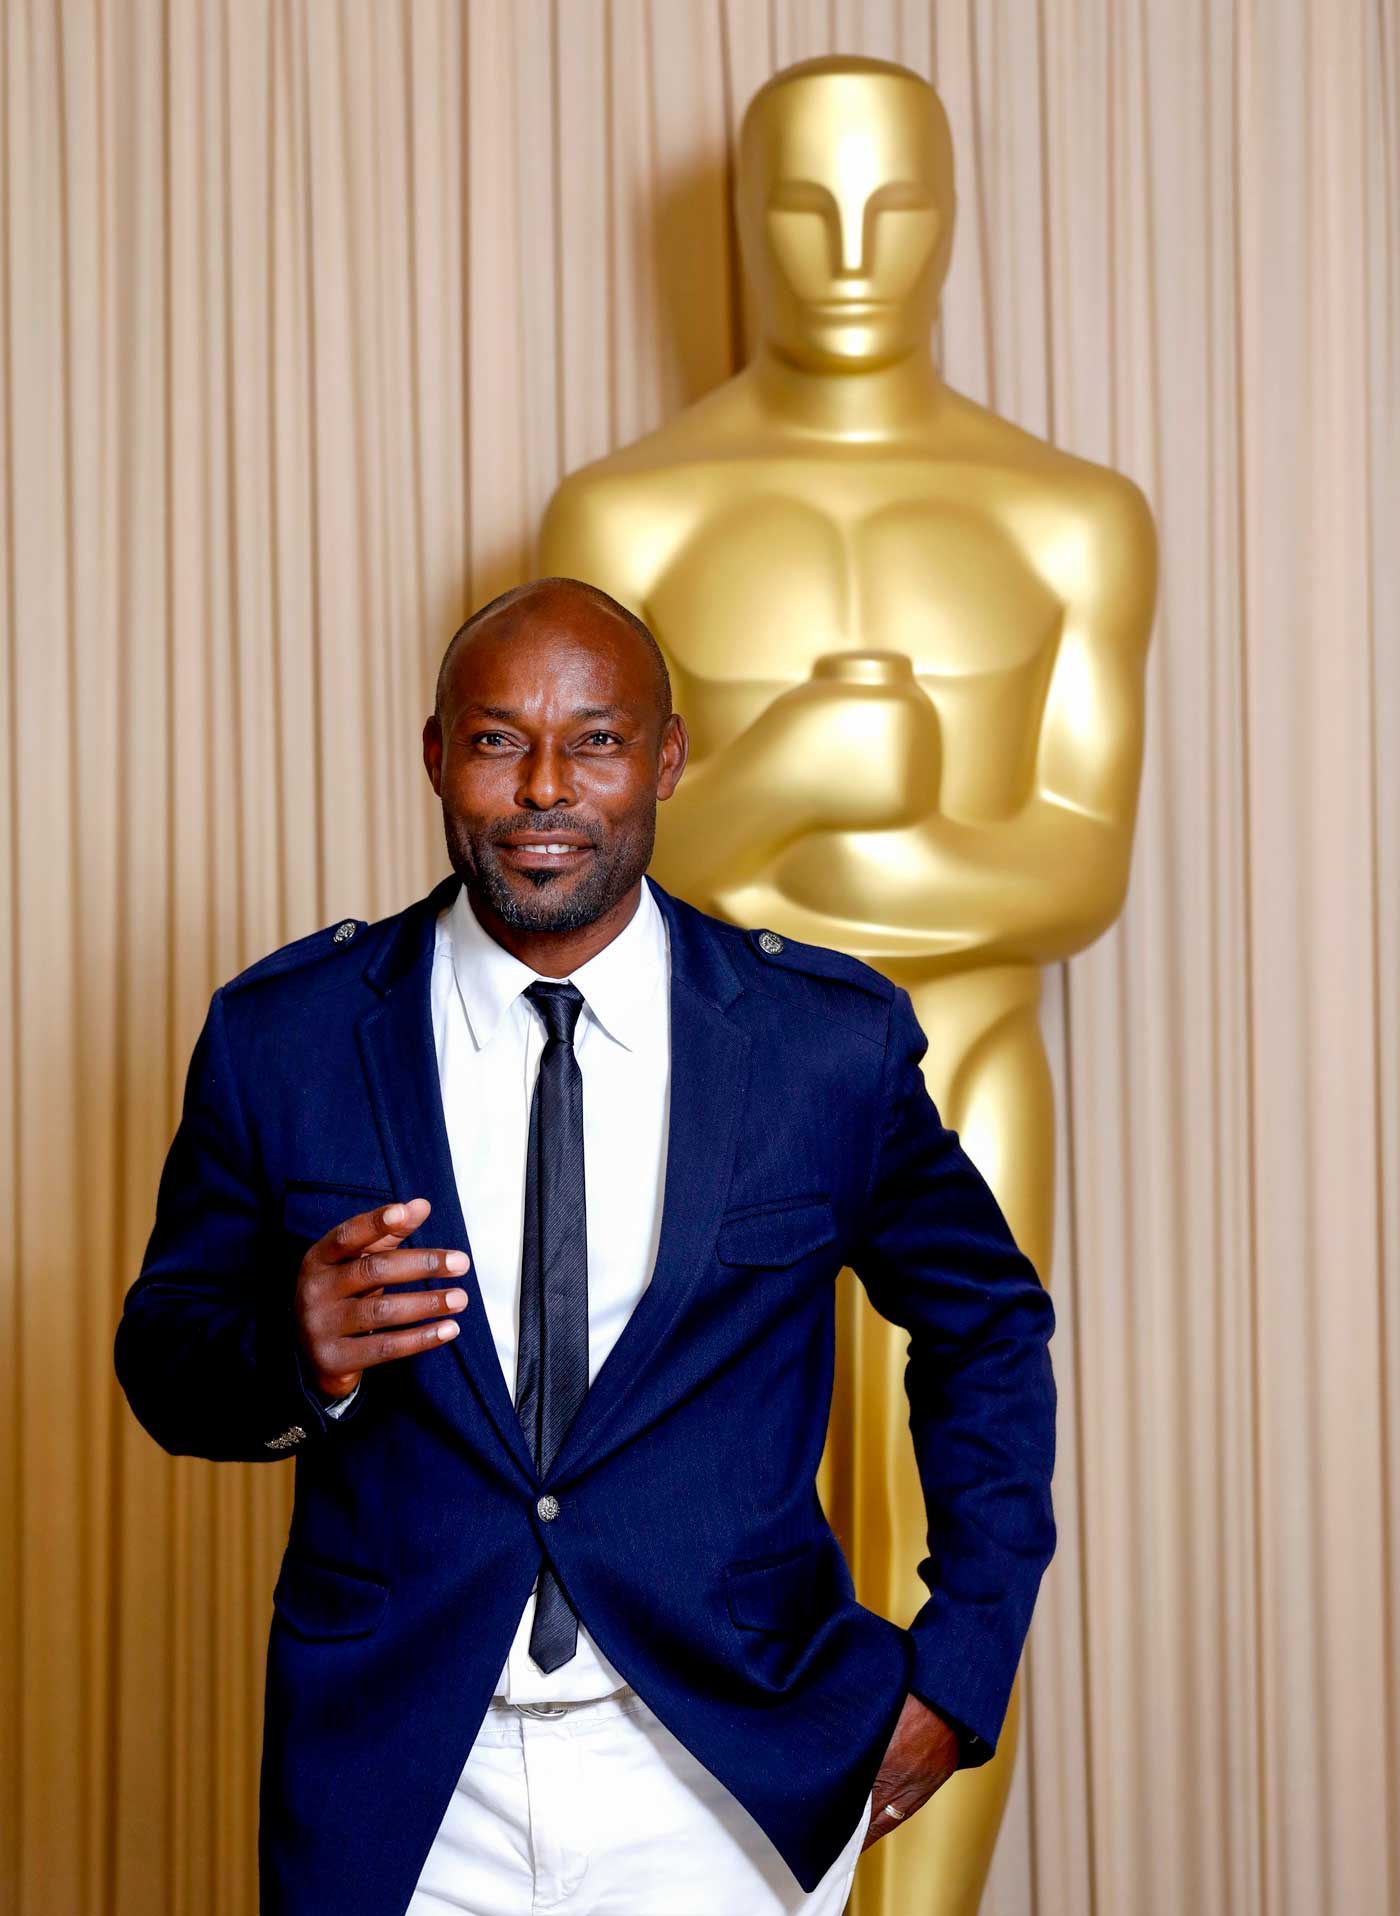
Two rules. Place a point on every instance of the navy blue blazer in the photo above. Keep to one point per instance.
(690, 1538)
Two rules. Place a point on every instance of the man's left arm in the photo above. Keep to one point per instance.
(936, 1255)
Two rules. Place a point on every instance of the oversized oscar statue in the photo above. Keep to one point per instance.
(909, 641)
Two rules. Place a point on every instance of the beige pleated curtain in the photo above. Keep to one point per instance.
(305, 309)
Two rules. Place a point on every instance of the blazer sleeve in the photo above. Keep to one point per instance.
(936, 1256)
(206, 1348)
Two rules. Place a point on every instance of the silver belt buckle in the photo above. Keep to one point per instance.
(544, 1709)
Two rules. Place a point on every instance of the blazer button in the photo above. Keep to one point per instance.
(547, 1508)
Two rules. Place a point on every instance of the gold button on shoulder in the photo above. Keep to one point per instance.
(770, 942)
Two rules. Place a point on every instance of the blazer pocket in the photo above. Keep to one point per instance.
(777, 1234)
(310, 1210)
(777, 1594)
(316, 1600)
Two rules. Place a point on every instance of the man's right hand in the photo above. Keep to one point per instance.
(346, 1322)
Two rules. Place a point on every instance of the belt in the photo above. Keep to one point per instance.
(563, 1708)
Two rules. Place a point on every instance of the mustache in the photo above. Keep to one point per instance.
(541, 822)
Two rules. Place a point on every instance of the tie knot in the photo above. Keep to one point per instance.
(559, 1005)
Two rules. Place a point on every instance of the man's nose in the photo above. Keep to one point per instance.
(545, 780)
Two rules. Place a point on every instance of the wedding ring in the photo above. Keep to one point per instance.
(890, 1810)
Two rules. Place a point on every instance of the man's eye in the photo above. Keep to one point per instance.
(488, 738)
(607, 738)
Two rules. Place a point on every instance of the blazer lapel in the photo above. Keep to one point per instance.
(709, 1062)
(400, 1064)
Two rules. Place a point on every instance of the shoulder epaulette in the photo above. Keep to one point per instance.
(317, 944)
(820, 961)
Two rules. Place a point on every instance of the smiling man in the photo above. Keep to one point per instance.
(516, 1218)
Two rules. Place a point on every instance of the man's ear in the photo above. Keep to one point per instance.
(432, 751)
(675, 750)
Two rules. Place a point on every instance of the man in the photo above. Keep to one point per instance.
(561, 1622)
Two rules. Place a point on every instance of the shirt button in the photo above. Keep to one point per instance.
(547, 1508)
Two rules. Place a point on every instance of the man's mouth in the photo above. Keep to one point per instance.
(536, 852)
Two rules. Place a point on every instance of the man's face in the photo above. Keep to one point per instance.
(551, 736)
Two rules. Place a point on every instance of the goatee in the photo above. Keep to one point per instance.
(552, 903)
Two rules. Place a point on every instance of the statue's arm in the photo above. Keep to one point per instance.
(1089, 760)
(1049, 879)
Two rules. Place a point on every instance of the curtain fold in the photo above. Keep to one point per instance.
(305, 308)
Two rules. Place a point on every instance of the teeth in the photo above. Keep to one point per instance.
(551, 848)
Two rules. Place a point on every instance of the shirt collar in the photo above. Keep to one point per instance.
(618, 983)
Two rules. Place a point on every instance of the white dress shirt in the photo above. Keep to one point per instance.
(489, 1039)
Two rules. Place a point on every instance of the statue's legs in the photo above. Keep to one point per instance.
(994, 1088)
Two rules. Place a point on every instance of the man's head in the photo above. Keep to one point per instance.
(552, 726)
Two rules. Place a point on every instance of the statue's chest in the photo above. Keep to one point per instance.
(771, 580)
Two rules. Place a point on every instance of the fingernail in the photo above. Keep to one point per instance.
(454, 1300)
(447, 1330)
(394, 1214)
(456, 1262)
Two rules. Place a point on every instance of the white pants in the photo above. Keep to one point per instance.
(596, 1809)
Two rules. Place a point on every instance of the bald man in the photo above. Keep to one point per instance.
(516, 1218)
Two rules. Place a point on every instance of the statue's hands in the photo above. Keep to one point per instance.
(857, 747)
(921, 1756)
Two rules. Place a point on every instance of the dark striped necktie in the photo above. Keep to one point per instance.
(551, 1378)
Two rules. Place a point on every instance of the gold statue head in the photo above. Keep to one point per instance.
(846, 211)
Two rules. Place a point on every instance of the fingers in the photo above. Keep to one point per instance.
(345, 1329)
(880, 1825)
(361, 1317)
(363, 1252)
(349, 1354)
(347, 1321)
(354, 1235)
(894, 1804)
(375, 1268)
